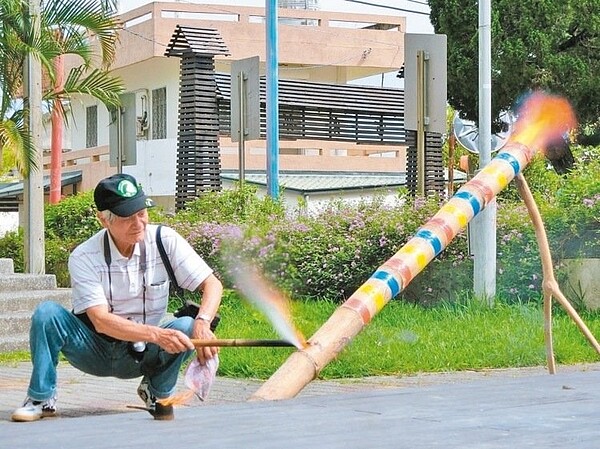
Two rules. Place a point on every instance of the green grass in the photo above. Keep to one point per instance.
(8, 358)
(407, 339)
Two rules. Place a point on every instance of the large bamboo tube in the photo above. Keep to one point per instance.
(542, 120)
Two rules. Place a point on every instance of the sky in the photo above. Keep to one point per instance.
(415, 23)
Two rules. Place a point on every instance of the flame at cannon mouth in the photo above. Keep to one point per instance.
(543, 119)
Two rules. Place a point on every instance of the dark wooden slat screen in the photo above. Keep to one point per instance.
(206, 41)
(346, 113)
(198, 159)
(307, 110)
(434, 165)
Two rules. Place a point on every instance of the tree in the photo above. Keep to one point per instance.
(536, 44)
(87, 29)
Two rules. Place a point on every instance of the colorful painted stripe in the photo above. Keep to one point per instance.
(354, 303)
(493, 174)
(430, 237)
(486, 190)
(472, 199)
(399, 265)
(441, 225)
(389, 279)
(511, 160)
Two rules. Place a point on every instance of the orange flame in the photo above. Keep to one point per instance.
(178, 399)
(543, 119)
(269, 300)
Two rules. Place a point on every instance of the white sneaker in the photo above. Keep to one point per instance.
(34, 410)
(155, 408)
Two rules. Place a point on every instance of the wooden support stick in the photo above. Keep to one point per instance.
(239, 342)
(549, 284)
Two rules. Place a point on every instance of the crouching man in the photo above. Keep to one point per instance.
(120, 290)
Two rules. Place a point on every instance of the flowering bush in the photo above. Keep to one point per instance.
(331, 254)
(573, 214)
(519, 269)
(570, 208)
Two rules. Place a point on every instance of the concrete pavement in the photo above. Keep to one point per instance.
(491, 409)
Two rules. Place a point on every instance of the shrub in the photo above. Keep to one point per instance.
(57, 259)
(219, 220)
(331, 254)
(519, 269)
(72, 219)
(238, 205)
(570, 208)
(11, 247)
(573, 214)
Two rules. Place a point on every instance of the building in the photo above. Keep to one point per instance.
(314, 47)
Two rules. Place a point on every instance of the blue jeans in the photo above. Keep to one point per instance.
(55, 329)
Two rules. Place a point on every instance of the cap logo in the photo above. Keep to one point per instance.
(127, 189)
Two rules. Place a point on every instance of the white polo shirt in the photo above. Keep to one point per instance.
(125, 290)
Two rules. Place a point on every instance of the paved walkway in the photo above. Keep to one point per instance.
(515, 409)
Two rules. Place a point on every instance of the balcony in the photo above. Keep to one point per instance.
(315, 46)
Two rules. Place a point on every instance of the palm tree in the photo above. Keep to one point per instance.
(87, 29)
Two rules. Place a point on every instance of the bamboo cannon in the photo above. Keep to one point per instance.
(542, 119)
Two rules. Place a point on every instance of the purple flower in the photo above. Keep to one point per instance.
(265, 250)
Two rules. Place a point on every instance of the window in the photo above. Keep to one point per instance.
(91, 126)
(159, 113)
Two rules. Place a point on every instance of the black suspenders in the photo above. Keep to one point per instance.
(108, 260)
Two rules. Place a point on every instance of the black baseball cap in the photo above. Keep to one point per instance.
(122, 195)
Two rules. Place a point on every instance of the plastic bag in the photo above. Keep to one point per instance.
(200, 377)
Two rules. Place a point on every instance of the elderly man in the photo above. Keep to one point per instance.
(120, 292)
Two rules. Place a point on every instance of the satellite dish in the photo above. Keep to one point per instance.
(467, 134)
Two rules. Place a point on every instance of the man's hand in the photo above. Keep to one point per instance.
(202, 332)
(173, 341)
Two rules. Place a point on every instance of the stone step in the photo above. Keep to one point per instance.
(27, 300)
(14, 323)
(20, 293)
(23, 281)
(15, 342)
(6, 266)
(16, 308)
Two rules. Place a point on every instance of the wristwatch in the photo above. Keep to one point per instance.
(204, 317)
